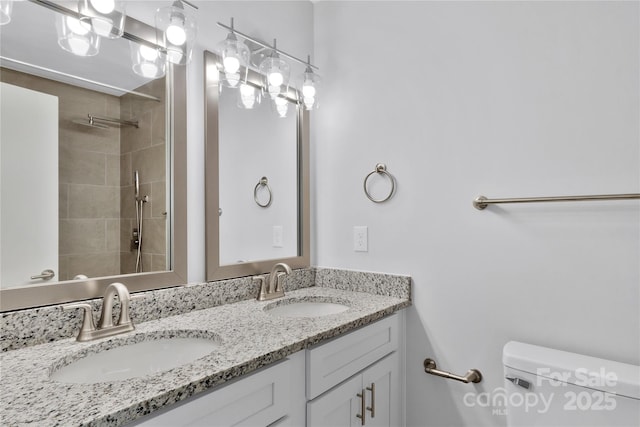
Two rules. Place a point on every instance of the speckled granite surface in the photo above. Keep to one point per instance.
(23, 328)
(375, 283)
(29, 397)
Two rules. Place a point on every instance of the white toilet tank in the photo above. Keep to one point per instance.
(547, 387)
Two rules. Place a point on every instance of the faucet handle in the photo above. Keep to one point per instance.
(88, 325)
(279, 278)
(262, 294)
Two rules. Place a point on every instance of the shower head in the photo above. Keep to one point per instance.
(105, 122)
(90, 122)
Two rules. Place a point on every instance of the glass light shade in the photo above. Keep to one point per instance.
(105, 17)
(235, 56)
(6, 7)
(248, 96)
(76, 37)
(147, 61)
(281, 106)
(179, 30)
(275, 72)
(309, 88)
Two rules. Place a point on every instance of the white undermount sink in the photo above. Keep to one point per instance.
(305, 308)
(150, 356)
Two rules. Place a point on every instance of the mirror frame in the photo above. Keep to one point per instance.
(74, 290)
(215, 271)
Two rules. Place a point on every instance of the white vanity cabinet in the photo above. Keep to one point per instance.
(258, 399)
(330, 384)
(356, 380)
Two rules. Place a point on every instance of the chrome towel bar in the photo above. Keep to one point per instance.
(472, 375)
(482, 202)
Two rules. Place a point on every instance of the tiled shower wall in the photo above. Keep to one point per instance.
(144, 149)
(89, 178)
(96, 215)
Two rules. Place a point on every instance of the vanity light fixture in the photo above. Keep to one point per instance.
(310, 82)
(76, 37)
(281, 106)
(235, 56)
(105, 17)
(179, 29)
(6, 6)
(276, 73)
(249, 96)
(147, 61)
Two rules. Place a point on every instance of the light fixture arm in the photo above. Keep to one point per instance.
(266, 45)
(188, 4)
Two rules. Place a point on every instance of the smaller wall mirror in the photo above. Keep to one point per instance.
(257, 180)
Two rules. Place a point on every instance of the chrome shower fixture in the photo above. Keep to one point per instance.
(105, 122)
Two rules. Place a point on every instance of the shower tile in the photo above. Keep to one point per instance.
(90, 201)
(127, 262)
(113, 169)
(113, 235)
(78, 236)
(94, 265)
(134, 139)
(158, 262)
(127, 202)
(126, 234)
(154, 236)
(63, 268)
(63, 196)
(158, 199)
(150, 163)
(126, 173)
(83, 138)
(81, 167)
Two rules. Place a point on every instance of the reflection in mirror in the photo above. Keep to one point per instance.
(79, 136)
(251, 225)
(259, 219)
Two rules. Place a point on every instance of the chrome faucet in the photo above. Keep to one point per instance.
(105, 328)
(275, 288)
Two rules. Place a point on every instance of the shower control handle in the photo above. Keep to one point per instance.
(45, 275)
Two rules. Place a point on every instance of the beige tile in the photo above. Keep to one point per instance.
(132, 138)
(126, 174)
(127, 203)
(158, 125)
(127, 262)
(158, 262)
(81, 167)
(113, 169)
(91, 201)
(63, 197)
(63, 267)
(113, 235)
(95, 265)
(154, 236)
(150, 163)
(126, 234)
(158, 200)
(79, 236)
(82, 138)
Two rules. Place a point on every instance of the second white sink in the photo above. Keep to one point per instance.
(305, 308)
(132, 360)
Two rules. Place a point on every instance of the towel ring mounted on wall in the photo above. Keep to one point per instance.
(381, 169)
(264, 182)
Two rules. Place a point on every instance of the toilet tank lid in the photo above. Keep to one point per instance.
(591, 372)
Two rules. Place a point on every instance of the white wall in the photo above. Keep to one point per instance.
(505, 99)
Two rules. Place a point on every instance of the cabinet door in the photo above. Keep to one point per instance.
(338, 407)
(382, 386)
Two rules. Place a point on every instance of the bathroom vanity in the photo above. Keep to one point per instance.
(269, 366)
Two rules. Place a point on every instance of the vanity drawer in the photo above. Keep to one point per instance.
(260, 398)
(333, 362)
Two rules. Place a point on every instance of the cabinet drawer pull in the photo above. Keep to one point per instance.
(362, 406)
(372, 408)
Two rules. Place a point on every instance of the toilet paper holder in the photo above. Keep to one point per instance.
(472, 375)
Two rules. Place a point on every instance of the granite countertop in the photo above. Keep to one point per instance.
(249, 339)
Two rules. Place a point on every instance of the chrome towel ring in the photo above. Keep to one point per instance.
(264, 182)
(381, 169)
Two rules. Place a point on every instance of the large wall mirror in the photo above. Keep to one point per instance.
(257, 180)
(92, 165)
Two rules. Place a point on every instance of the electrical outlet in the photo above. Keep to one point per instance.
(277, 236)
(360, 239)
